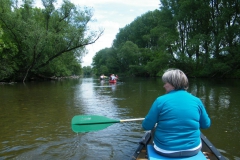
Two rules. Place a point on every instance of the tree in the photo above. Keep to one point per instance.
(7, 52)
(128, 54)
(87, 70)
(43, 35)
(199, 37)
(139, 31)
(102, 61)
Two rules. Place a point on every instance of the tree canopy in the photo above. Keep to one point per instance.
(197, 36)
(46, 41)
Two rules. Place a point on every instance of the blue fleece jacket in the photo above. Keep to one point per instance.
(179, 116)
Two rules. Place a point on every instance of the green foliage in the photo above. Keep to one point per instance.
(128, 54)
(105, 62)
(44, 36)
(7, 53)
(139, 31)
(235, 74)
(87, 71)
(199, 37)
(137, 70)
(103, 69)
(65, 65)
(158, 64)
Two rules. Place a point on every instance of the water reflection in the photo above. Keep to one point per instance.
(113, 86)
(96, 97)
(223, 106)
(214, 97)
(35, 118)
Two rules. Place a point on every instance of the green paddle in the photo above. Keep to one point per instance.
(87, 123)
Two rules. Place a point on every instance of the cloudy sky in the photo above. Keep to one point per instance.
(111, 15)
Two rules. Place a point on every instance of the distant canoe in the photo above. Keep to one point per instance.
(113, 81)
(103, 77)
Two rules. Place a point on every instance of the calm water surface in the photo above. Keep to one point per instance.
(35, 118)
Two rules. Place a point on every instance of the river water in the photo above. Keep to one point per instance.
(35, 117)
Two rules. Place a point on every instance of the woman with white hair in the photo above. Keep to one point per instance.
(177, 117)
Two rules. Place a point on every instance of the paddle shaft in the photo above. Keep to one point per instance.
(113, 121)
(128, 120)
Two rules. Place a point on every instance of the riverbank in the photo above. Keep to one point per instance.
(43, 78)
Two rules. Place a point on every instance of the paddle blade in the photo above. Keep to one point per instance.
(91, 120)
(89, 128)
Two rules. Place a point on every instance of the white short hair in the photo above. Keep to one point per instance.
(176, 78)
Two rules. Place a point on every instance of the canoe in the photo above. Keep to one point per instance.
(145, 151)
(103, 78)
(113, 81)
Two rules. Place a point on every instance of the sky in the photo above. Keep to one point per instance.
(111, 15)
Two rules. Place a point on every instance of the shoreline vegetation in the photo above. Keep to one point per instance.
(42, 41)
(202, 41)
(43, 78)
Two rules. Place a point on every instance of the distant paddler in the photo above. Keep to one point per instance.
(102, 77)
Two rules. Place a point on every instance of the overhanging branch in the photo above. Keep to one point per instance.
(70, 49)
